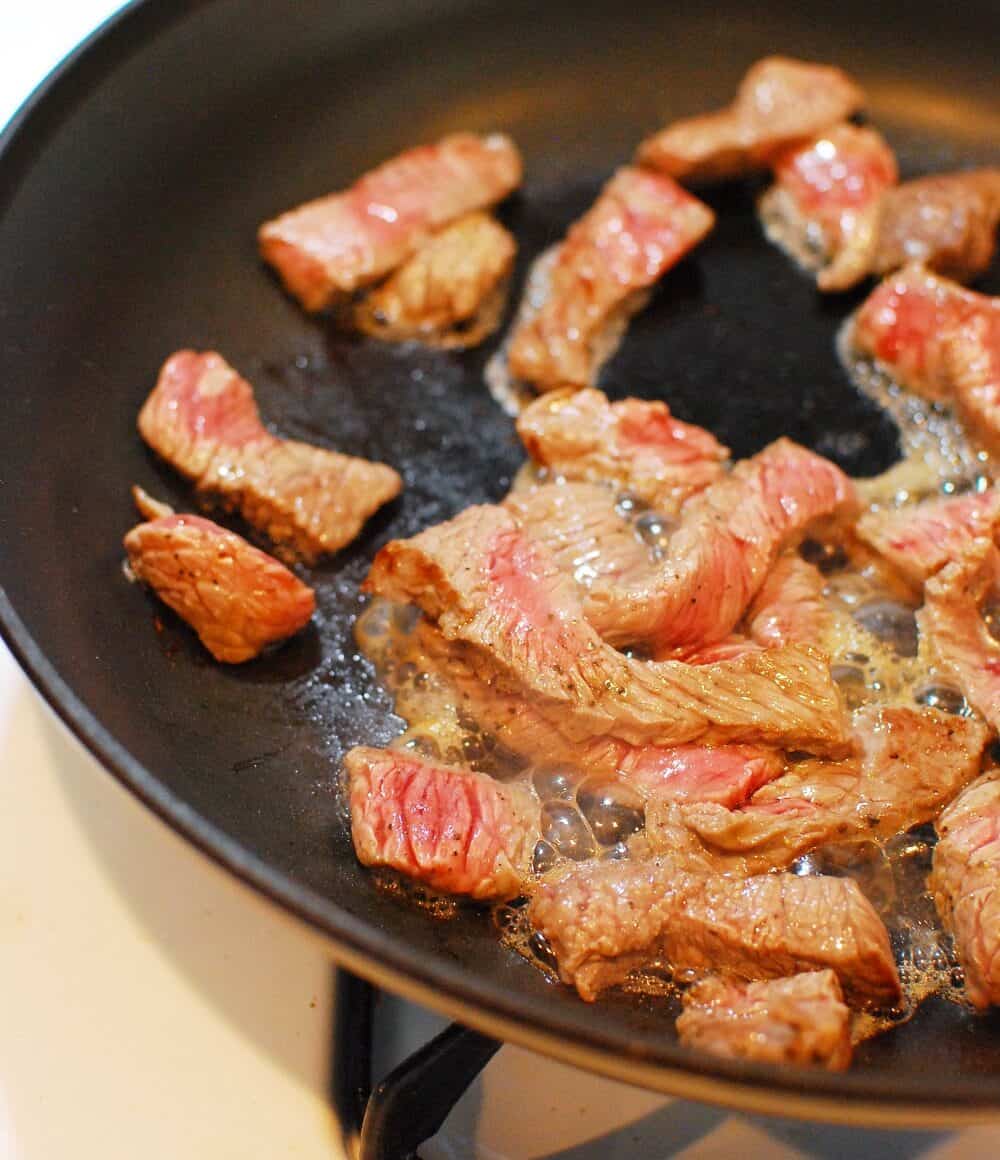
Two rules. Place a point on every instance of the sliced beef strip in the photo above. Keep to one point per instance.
(641, 225)
(789, 608)
(716, 561)
(327, 249)
(604, 920)
(237, 599)
(780, 101)
(452, 830)
(489, 587)
(451, 293)
(965, 881)
(952, 622)
(972, 365)
(202, 418)
(823, 208)
(907, 323)
(637, 445)
(801, 1020)
(919, 540)
(947, 221)
(728, 774)
(912, 763)
(580, 526)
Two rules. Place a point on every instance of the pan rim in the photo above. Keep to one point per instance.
(872, 1098)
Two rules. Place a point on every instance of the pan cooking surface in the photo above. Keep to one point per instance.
(130, 197)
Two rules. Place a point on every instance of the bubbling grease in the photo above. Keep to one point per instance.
(877, 657)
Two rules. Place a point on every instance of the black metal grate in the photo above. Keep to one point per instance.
(391, 1119)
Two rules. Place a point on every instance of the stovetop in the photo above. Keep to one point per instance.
(153, 1006)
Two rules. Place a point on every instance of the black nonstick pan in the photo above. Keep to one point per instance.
(131, 187)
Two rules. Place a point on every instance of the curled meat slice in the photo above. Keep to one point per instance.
(789, 608)
(640, 226)
(952, 621)
(801, 1020)
(453, 830)
(907, 323)
(912, 763)
(604, 920)
(780, 101)
(237, 599)
(490, 588)
(947, 221)
(718, 558)
(728, 774)
(965, 881)
(328, 248)
(919, 540)
(635, 444)
(450, 293)
(202, 418)
(823, 208)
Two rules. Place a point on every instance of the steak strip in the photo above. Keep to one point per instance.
(641, 225)
(492, 589)
(637, 445)
(801, 1020)
(452, 830)
(237, 599)
(202, 418)
(780, 101)
(727, 541)
(965, 881)
(604, 920)
(913, 762)
(328, 248)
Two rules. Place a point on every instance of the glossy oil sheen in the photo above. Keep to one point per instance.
(129, 201)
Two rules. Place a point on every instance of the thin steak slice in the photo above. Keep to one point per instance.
(579, 525)
(717, 560)
(802, 1020)
(237, 599)
(789, 608)
(972, 362)
(604, 920)
(328, 248)
(453, 830)
(912, 763)
(823, 208)
(919, 540)
(637, 445)
(947, 221)
(965, 881)
(641, 225)
(489, 587)
(202, 418)
(451, 293)
(952, 621)
(728, 774)
(780, 101)
(907, 323)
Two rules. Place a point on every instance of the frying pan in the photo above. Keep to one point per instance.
(130, 189)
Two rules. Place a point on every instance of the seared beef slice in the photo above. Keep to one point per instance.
(202, 418)
(329, 248)
(605, 919)
(453, 830)
(497, 593)
(801, 1020)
